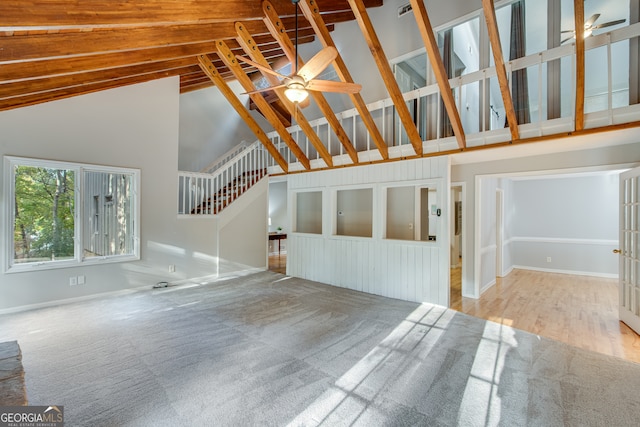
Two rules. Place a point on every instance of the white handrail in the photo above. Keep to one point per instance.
(226, 157)
(208, 194)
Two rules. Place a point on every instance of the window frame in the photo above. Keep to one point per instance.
(79, 169)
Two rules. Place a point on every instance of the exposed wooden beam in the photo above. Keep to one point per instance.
(279, 33)
(232, 63)
(209, 69)
(430, 43)
(312, 12)
(362, 17)
(498, 58)
(39, 14)
(251, 48)
(24, 70)
(42, 46)
(26, 87)
(578, 6)
(68, 92)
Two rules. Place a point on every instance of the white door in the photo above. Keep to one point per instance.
(629, 252)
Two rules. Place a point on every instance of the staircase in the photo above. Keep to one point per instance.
(223, 197)
(209, 193)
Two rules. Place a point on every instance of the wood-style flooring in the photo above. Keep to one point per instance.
(578, 310)
(278, 263)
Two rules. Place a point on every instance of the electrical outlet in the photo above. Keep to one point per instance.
(548, 259)
(172, 268)
(81, 280)
(73, 281)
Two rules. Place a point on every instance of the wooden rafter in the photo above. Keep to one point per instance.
(362, 17)
(578, 6)
(251, 48)
(210, 70)
(503, 81)
(68, 92)
(232, 63)
(279, 33)
(429, 40)
(312, 13)
(39, 14)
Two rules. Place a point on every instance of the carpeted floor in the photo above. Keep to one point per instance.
(269, 350)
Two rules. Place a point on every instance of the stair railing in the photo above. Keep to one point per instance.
(226, 157)
(209, 193)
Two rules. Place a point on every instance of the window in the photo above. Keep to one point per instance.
(355, 212)
(309, 212)
(412, 213)
(63, 214)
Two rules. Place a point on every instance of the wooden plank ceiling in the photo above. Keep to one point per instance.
(54, 49)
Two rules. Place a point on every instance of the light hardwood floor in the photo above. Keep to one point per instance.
(578, 310)
(278, 263)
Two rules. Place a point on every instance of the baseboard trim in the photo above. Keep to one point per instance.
(66, 301)
(487, 286)
(507, 272)
(184, 283)
(575, 273)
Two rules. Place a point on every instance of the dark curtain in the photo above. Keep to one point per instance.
(519, 83)
(446, 129)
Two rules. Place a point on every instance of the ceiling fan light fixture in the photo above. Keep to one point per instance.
(296, 93)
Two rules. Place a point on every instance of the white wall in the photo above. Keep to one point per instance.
(572, 220)
(243, 231)
(134, 126)
(209, 127)
(409, 270)
(486, 233)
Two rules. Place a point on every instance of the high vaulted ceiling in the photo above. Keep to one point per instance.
(54, 49)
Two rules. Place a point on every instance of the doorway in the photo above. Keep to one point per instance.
(456, 244)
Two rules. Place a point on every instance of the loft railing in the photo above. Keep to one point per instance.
(209, 193)
(483, 122)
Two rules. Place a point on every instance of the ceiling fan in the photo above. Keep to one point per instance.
(304, 79)
(589, 27)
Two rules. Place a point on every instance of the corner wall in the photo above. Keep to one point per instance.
(136, 127)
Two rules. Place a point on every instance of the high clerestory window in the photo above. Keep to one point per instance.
(62, 214)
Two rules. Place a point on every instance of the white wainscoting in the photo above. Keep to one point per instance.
(404, 270)
(409, 270)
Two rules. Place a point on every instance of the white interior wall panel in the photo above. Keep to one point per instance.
(408, 270)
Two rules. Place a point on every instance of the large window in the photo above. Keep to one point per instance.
(62, 214)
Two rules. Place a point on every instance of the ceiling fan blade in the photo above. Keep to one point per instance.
(609, 24)
(261, 67)
(331, 86)
(567, 31)
(264, 89)
(318, 63)
(589, 22)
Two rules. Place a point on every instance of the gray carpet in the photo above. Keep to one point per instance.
(269, 350)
